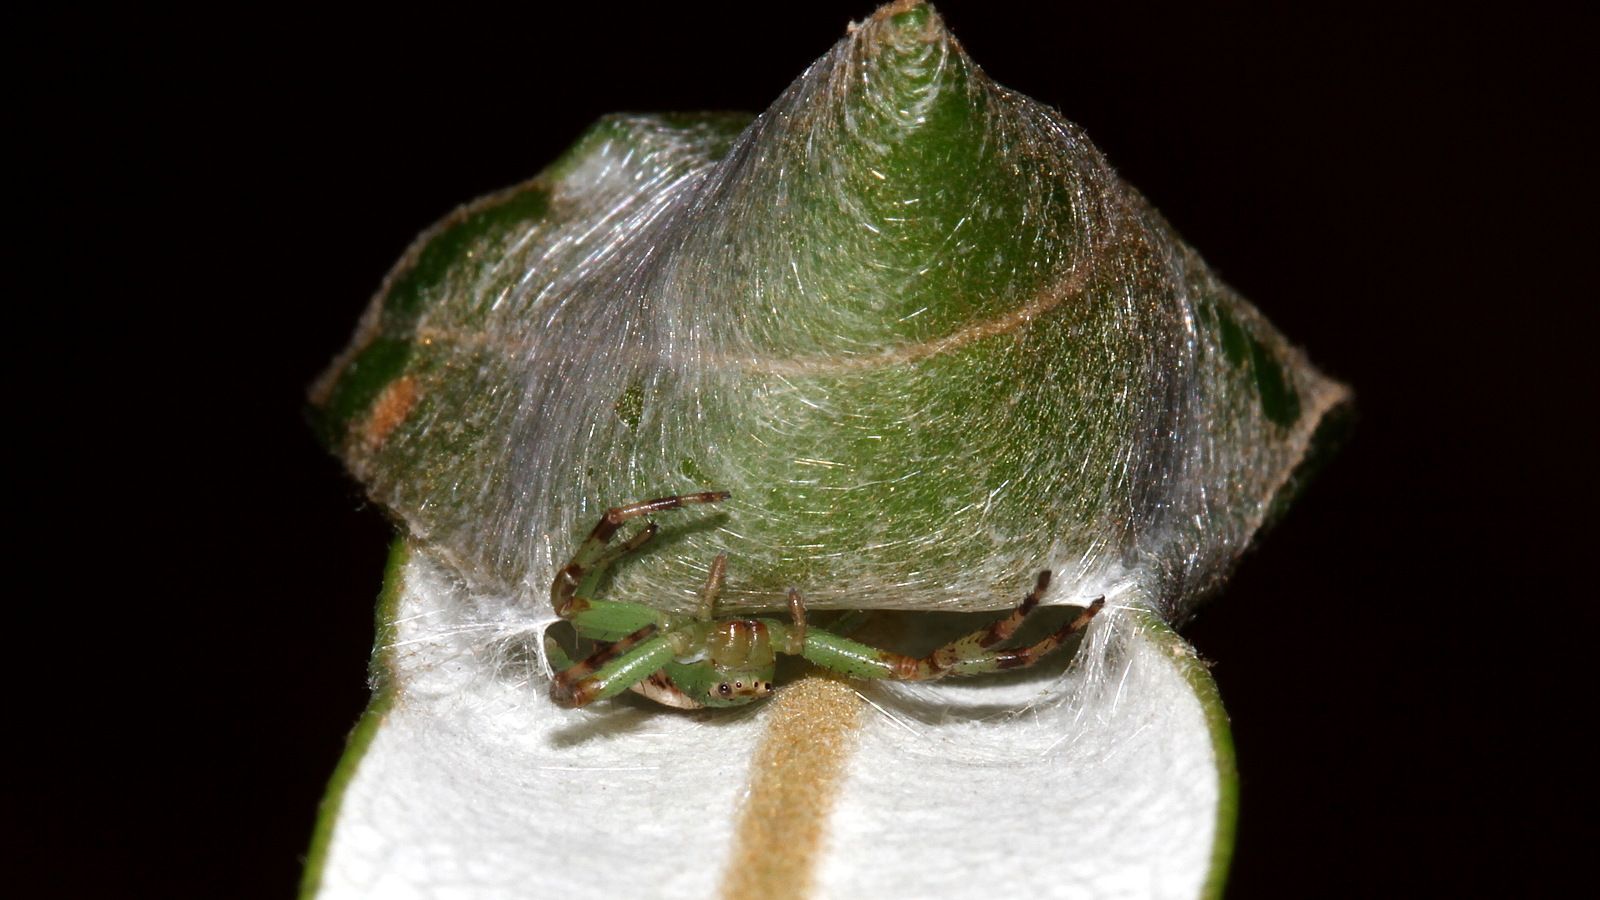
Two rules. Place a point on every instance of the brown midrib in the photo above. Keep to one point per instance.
(795, 777)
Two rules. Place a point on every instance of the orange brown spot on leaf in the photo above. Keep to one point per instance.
(393, 404)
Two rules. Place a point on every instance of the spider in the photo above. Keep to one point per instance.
(700, 660)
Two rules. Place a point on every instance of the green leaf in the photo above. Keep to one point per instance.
(933, 345)
(913, 321)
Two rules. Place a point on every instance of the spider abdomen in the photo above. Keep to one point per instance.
(740, 644)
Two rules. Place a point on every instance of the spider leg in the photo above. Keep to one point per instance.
(1020, 657)
(613, 669)
(713, 588)
(972, 654)
(795, 639)
(659, 686)
(1000, 631)
(594, 554)
(634, 542)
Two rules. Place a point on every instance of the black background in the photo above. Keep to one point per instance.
(1407, 195)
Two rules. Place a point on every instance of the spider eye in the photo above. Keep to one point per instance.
(723, 689)
(739, 685)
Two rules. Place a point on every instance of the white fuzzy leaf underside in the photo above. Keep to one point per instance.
(1105, 784)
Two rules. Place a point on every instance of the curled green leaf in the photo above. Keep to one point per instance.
(933, 345)
(913, 321)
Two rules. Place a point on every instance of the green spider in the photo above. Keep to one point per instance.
(694, 661)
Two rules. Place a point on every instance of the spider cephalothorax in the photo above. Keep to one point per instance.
(691, 661)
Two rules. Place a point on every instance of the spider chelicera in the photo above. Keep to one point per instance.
(692, 661)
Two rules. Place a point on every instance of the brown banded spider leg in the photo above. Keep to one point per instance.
(713, 588)
(975, 653)
(595, 553)
(580, 683)
(795, 645)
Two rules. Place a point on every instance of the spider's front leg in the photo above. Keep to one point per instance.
(972, 654)
(615, 668)
(644, 640)
(595, 553)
